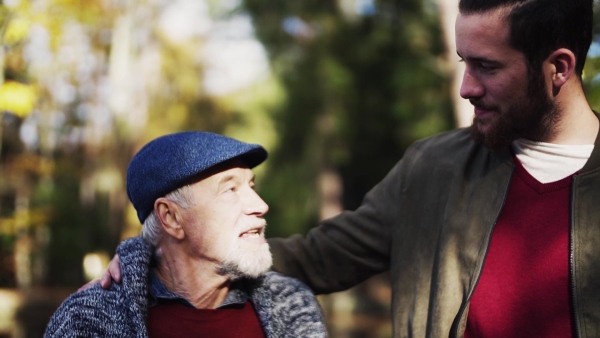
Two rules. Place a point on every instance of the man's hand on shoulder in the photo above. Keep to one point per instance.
(112, 273)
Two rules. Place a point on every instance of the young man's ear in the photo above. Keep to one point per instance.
(168, 214)
(562, 66)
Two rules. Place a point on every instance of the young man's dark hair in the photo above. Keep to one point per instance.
(537, 28)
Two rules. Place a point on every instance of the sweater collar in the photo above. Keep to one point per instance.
(157, 291)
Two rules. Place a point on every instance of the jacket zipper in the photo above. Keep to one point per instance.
(461, 311)
(572, 259)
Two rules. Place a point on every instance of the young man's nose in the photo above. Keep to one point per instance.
(470, 87)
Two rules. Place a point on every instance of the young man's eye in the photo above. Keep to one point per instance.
(486, 67)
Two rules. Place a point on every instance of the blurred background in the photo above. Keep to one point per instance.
(335, 90)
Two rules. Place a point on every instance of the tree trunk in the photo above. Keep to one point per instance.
(463, 111)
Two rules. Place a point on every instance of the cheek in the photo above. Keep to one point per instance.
(224, 233)
(497, 87)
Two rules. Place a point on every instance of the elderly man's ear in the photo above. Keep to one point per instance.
(170, 217)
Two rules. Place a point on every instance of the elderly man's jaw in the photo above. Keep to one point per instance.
(250, 255)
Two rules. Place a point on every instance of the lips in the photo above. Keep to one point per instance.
(255, 232)
(254, 235)
(481, 110)
(255, 229)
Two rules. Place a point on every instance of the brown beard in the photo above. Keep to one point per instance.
(534, 118)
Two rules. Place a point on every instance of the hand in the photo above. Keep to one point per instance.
(113, 272)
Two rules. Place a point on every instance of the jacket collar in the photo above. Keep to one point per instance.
(593, 164)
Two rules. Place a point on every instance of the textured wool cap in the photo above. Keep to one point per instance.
(171, 161)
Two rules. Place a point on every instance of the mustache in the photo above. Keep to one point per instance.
(259, 222)
(254, 223)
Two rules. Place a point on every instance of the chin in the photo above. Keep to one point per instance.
(246, 263)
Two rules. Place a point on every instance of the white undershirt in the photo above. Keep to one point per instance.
(549, 162)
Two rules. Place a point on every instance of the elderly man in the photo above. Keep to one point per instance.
(200, 267)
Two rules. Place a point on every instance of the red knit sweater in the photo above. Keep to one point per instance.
(523, 290)
(169, 319)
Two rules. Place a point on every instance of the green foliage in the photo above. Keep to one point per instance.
(591, 71)
(360, 89)
(87, 139)
(591, 81)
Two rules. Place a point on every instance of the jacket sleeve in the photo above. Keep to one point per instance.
(347, 249)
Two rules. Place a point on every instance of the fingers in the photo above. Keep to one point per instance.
(88, 284)
(105, 280)
(113, 273)
(114, 269)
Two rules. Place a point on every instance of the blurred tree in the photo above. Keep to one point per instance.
(17, 98)
(87, 83)
(363, 80)
(591, 72)
(463, 110)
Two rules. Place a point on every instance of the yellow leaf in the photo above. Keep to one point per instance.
(16, 31)
(17, 98)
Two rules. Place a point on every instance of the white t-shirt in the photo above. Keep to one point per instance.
(549, 162)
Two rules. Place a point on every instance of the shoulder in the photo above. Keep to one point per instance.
(86, 313)
(450, 151)
(294, 306)
(133, 249)
(286, 289)
(448, 144)
(96, 312)
(135, 255)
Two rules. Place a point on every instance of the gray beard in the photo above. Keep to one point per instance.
(232, 272)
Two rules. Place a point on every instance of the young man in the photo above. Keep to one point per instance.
(200, 269)
(494, 230)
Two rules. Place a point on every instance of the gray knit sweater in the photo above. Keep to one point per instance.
(285, 306)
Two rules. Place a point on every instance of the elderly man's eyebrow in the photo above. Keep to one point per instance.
(226, 178)
(233, 178)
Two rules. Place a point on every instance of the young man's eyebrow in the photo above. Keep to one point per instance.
(480, 59)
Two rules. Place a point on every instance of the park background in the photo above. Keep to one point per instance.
(334, 89)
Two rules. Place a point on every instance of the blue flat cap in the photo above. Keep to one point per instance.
(171, 161)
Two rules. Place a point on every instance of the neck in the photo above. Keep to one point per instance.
(191, 278)
(578, 123)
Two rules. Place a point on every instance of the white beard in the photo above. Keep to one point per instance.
(245, 260)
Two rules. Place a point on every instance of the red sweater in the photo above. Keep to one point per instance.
(523, 290)
(169, 319)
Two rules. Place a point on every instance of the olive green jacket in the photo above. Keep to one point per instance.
(429, 223)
